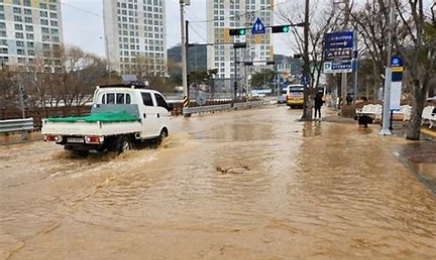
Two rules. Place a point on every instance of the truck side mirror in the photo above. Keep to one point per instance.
(170, 107)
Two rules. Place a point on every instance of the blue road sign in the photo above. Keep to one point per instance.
(396, 61)
(339, 40)
(338, 54)
(258, 27)
(345, 65)
(305, 81)
(338, 67)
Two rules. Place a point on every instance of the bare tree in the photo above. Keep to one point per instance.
(322, 16)
(8, 90)
(83, 71)
(370, 20)
(145, 69)
(415, 42)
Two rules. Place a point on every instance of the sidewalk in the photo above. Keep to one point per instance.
(399, 126)
(419, 157)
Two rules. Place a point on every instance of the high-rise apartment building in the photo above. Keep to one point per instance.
(229, 14)
(30, 34)
(135, 36)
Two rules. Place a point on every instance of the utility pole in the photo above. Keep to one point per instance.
(388, 76)
(344, 78)
(183, 47)
(235, 82)
(186, 47)
(306, 61)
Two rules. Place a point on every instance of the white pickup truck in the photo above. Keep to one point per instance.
(121, 116)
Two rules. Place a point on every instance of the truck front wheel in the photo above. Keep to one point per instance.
(162, 135)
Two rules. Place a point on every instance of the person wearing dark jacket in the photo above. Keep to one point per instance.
(318, 104)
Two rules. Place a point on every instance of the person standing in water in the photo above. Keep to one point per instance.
(318, 104)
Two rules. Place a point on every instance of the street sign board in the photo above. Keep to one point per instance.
(258, 27)
(339, 40)
(338, 67)
(305, 81)
(396, 61)
(201, 99)
(397, 64)
(338, 54)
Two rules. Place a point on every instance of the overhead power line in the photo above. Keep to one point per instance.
(241, 14)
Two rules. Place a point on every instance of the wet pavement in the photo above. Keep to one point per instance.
(253, 184)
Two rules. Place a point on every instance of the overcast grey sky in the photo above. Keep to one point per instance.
(83, 25)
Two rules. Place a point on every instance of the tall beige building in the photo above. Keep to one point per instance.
(229, 14)
(30, 34)
(135, 36)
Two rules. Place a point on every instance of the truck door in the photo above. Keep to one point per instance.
(149, 115)
(163, 111)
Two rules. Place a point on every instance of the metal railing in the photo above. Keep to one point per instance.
(17, 125)
(202, 109)
(242, 105)
(245, 105)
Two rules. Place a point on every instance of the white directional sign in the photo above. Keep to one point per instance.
(258, 27)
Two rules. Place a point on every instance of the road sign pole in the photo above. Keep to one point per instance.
(344, 78)
(356, 63)
(388, 78)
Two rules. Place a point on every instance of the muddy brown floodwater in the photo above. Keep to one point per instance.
(251, 184)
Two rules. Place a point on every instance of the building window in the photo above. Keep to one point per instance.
(18, 27)
(28, 19)
(19, 35)
(43, 13)
(17, 10)
(18, 18)
(29, 36)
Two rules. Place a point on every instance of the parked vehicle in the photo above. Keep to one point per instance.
(121, 116)
(281, 99)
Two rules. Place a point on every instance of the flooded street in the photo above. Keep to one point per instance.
(251, 184)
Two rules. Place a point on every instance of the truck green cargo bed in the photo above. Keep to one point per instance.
(107, 117)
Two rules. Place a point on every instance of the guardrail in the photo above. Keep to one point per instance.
(250, 104)
(242, 105)
(17, 125)
(202, 109)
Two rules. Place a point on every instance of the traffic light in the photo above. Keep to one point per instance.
(237, 32)
(280, 29)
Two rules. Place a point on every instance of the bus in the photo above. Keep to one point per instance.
(295, 95)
